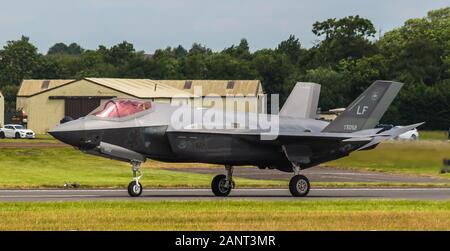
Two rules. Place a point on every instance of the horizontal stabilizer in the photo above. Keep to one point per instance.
(394, 132)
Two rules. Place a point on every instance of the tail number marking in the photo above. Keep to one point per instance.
(350, 127)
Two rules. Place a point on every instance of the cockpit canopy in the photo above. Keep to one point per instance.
(119, 108)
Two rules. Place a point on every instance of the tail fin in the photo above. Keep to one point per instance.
(366, 111)
(302, 102)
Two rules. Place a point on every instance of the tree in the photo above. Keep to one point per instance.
(199, 49)
(241, 51)
(119, 54)
(334, 87)
(180, 51)
(225, 66)
(18, 60)
(46, 68)
(293, 49)
(62, 48)
(343, 38)
(276, 72)
(419, 102)
(360, 73)
(419, 51)
(9, 92)
(165, 64)
(194, 66)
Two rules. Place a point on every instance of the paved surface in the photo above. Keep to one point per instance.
(206, 194)
(318, 174)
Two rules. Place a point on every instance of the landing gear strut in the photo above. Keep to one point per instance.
(299, 184)
(135, 188)
(222, 185)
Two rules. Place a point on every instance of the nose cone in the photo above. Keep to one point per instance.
(71, 133)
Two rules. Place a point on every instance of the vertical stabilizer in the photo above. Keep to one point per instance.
(366, 111)
(302, 102)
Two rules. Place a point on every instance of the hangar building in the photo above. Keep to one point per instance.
(244, 95)
(46, 102)
(2, 110)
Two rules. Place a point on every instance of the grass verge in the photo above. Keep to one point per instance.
(433, 135)
(227, 215)
(416, 158)
(46, 168)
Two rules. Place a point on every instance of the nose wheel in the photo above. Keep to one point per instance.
(135, 188)
(222, 185)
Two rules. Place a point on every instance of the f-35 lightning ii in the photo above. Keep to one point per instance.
(134, 130)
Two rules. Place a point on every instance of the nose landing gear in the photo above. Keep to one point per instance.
(135, 188)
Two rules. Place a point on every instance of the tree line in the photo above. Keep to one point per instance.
(345, 60)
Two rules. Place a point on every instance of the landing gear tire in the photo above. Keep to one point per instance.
(134, 189)
(219, 186)
(299, 186)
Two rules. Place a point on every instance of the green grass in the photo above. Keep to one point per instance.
(227, 215)
(433, 135)
(34, 168)
(417, 158)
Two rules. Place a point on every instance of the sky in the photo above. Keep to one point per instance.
(154, 24)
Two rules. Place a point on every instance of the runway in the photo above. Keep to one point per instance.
(318, 174)
(206, 194)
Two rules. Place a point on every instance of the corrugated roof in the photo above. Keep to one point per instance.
(141, 88)
(30, 87)
(147, 88)
(219, 87)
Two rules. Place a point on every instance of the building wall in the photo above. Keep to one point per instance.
(2, 110)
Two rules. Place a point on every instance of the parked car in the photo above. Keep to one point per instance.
(409, 135)
(16, 131)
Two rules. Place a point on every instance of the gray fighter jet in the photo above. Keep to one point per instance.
(134, 130)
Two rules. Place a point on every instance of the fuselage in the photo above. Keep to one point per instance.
(236, 139)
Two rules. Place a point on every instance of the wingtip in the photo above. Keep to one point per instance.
(412, 126)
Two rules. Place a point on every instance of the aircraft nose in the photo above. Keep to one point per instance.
(71, 133)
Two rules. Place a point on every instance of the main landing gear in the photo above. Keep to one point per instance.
(222, 185)
(135, 188)
(299, 184)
